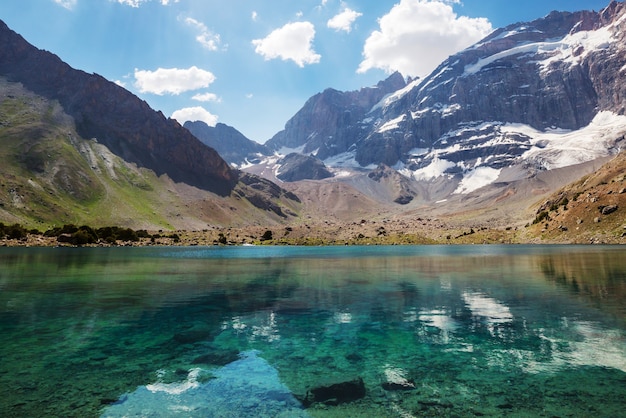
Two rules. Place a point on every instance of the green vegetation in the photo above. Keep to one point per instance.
(15, 231)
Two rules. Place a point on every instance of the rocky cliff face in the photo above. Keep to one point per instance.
(331, 121)
(557, 72)
(231, 144)
(531, 96)
(117, 118)
(294, 167)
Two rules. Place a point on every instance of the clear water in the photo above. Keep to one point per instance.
(257, 331)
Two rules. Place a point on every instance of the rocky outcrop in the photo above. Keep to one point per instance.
(231, 144)
(294, 167)
(263, 194)
(330, 122)
(398, 185)
(117, 118)
(336, 393)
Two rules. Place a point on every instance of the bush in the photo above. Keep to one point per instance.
(82, 237)
(541, 216)
(267, 236)
(15, 231)
(142, 233)
(127, 235)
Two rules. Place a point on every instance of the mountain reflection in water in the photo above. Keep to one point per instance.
(325, 331)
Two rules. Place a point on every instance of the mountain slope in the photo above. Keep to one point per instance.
(115, 117)
(76, 148)
(484, 107)
(49, 175)
(231, 144)
(529, 98)
(329, 121)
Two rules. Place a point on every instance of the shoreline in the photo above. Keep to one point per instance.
(320, 237)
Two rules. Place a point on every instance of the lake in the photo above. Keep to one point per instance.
(374, 331)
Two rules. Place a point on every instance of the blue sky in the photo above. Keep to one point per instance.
(253, 63)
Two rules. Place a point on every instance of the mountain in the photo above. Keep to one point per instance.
(294, 167)
(528, 98)
(117, 118)
(330, 121)
(77, 148)
(231, 144)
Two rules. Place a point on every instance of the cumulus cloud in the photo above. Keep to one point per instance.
(344, 20)
(68, 4)
(290, 42)
(194, 114)
(172, 80)
(137, 3)
(207, 97)
(205, 37)
(417, 35)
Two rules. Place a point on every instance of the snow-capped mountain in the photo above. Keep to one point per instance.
(529, 97)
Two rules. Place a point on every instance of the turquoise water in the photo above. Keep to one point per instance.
(313, 332)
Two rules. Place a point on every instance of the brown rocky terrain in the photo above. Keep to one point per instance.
(591, 210)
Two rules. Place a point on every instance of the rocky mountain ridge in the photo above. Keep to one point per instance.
(117, 118)
(530, 97)
(78, 148)
(231, 144)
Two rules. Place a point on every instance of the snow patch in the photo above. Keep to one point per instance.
(346, 160)
(477, 178)
(557, 148)
(392, 124)
(436, 168)
(571, 49)
(395, 96)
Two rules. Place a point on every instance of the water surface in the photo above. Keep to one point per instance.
(324, 331)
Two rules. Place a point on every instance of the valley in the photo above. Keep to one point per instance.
(484, 150)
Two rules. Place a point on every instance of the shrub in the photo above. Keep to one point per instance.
(82, 237)
(127, 235)
(15, 231)
(267, 236)
(142, 233)
(541, 216)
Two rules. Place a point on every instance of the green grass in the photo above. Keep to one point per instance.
(45, 181)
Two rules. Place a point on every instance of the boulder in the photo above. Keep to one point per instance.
(337, 393)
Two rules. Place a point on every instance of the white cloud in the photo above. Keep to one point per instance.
(193, 114)
(131, 3)
(68, 4)
(206, 38)
(172, 80)
(136, 3)
(207, 97)
(417, 35)
(344, 20)
(291, 42)
(255, 16)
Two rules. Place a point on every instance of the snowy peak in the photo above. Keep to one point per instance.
(529, 97)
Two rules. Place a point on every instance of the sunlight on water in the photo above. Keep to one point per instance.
(324, 331)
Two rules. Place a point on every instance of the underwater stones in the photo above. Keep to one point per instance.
(217, 358)
(395, 380)
(193, 335)
(393, 386)
(336, 394)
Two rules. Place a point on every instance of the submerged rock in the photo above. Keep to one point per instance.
(337, 393)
